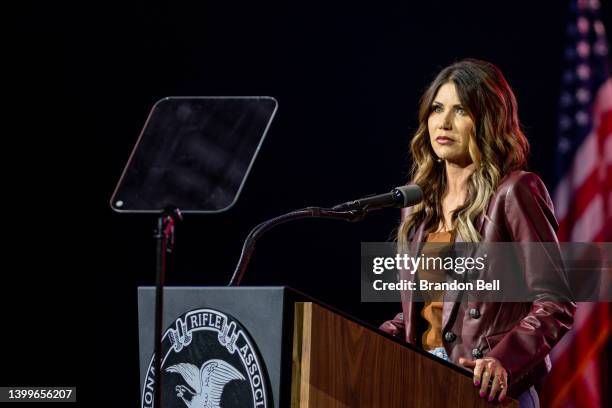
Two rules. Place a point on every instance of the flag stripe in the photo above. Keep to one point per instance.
(589, 341)
(583, 201)
(578, 173)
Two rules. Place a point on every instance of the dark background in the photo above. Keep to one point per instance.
(347, 78)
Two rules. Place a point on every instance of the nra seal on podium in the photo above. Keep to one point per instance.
(208, 361)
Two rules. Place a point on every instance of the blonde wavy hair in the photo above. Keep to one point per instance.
(496, 147)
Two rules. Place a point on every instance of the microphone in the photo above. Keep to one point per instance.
(399, 197)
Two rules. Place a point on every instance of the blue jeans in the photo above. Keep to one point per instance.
(528, 399)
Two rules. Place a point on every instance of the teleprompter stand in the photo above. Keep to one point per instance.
(193, 154)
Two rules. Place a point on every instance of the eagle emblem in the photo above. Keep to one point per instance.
(205, 384)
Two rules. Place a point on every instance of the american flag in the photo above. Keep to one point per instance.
(583, 200)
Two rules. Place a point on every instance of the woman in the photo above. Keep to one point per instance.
(468, 157)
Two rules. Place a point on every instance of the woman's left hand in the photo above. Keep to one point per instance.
(484, 369)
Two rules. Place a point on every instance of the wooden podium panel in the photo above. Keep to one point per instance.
(339, 363)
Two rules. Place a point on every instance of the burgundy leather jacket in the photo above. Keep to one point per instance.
(519, 335)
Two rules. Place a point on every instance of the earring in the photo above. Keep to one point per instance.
(436, 158)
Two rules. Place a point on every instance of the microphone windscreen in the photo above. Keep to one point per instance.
(412, 194)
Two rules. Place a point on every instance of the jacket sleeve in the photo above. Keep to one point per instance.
(530, 218)
(394, 327)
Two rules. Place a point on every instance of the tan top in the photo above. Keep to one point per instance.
(432, 310)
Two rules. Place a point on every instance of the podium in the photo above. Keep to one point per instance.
(276, 347)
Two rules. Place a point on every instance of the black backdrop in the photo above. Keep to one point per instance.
(347, 78)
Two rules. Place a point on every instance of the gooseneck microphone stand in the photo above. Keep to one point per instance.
(309, 212)
(356, 210)
(164, 236)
